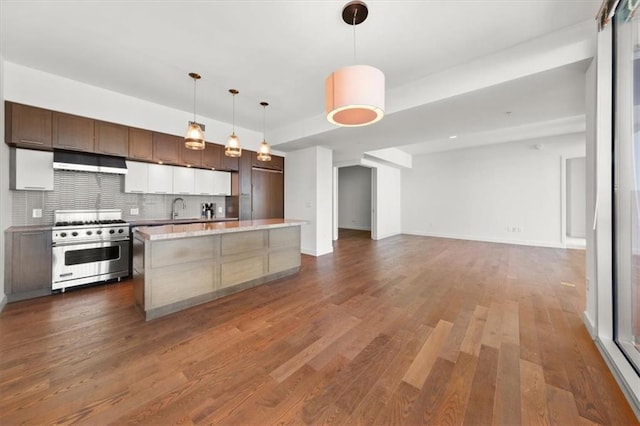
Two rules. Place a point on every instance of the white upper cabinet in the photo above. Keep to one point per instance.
(31, 170)
(160, 179)
(137, 177)
(204, 182)
(222, 183)
(183, 180)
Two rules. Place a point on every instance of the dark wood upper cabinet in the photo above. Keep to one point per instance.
(140, 144)
(112, 139)
(27, 126)
(276, 163)
(230, 163)
(72, 132)
(191, 157)
(244, 173)
(212, 156)
(166, 148)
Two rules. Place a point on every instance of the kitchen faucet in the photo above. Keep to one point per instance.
(174, 213)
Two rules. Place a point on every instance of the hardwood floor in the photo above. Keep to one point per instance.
(406, 330)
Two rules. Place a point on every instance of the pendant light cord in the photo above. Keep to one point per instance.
(264, 117)
(355, 12)
(234, 113)
(194, 100)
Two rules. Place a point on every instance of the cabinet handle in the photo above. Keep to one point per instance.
(137, 191)
(34, 187)
(30, 141)
(160, 192)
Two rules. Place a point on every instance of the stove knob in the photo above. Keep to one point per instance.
(112, 231)
(99, 232)
(74, 234)
(63, 234)
(120, 231)
(89, 232)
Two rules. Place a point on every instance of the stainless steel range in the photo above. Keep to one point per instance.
(89, 246)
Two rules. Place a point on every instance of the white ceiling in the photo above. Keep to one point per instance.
(282, 51)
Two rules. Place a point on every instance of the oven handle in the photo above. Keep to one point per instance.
(81, 243)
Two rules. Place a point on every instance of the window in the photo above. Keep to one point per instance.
(626, 178)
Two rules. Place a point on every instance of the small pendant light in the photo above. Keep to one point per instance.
(264, 152)
(233, 148)
(195, 132)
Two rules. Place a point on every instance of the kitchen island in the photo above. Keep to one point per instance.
(182, 265)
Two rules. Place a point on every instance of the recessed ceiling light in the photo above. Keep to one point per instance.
(453, 136)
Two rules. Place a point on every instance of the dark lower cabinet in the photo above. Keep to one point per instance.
(27, 264)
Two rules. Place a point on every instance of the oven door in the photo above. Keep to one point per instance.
(77, 264)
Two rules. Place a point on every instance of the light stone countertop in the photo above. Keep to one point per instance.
(166, 232)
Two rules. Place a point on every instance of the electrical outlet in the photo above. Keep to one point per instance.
(36, 213)
(134, 211)
(220, 209)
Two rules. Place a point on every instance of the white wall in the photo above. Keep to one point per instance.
(386, 202)
(576, 197)
(308, 194)
(504, 193)
(354, 198)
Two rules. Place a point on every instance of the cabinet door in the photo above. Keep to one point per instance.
(30, 263)
(137, 177)
(222, 183)
(111, 139)
(72, 132)
(31, 170)
(166, 148)
(212, 156)
(27, 126)
(268, 194)
(140, 144)
(276, 195)
(183, 180)
(244, 175)
(204, 182)
(276, 163)
(230, 163)
(190, 157)
(160, 179)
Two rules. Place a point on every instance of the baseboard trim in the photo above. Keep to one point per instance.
(316, 253)
(3, 302)
(356, 227)
(487, 239)
(589, 324)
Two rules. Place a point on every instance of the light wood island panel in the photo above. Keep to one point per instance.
(179, 266)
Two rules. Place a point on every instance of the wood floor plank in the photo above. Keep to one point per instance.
(421, 366)
(533, 394)
(506, 409)
(482, 394)
(404, 330)
(473, 337)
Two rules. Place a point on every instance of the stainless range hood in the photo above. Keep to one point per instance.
(83, 162)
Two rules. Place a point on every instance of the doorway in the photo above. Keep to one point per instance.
(576, 203)
(354, 199)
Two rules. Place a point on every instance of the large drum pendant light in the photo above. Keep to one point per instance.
(233, 148)
(195, 133)
(355, 95)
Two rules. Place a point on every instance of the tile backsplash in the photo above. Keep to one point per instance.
(85, 190)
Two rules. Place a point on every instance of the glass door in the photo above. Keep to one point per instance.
(626, 142)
